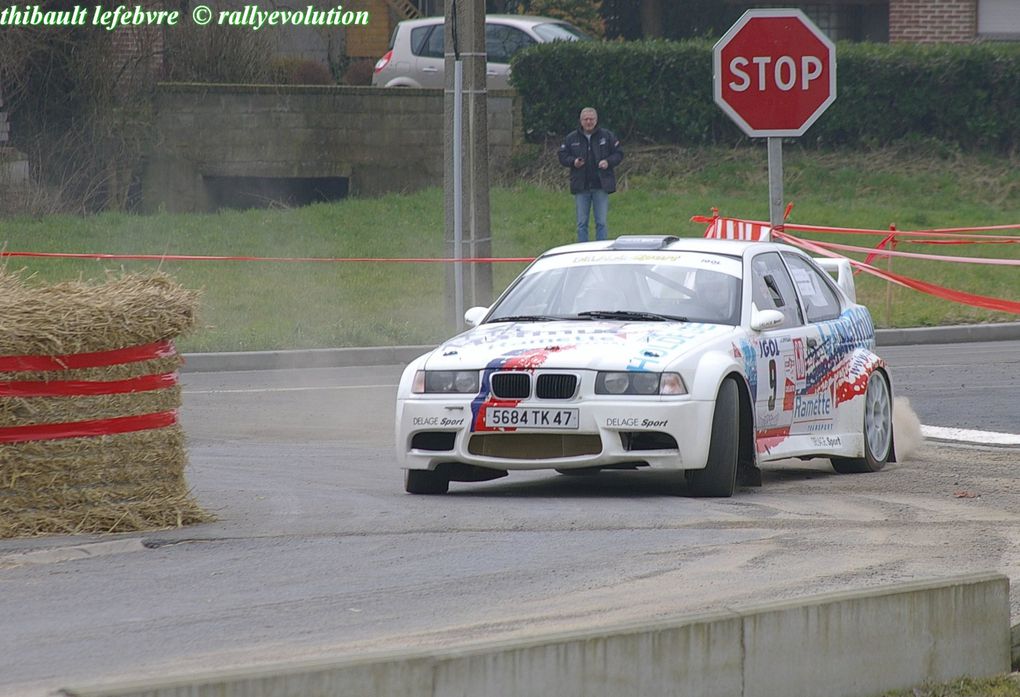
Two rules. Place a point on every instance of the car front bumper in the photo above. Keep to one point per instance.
(667, 433)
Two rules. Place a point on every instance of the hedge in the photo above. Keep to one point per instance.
(661, 92)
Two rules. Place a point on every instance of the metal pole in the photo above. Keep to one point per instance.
(458, 193)
(775, 182)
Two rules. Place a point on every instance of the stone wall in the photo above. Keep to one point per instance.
(927, 21)
(382, 140)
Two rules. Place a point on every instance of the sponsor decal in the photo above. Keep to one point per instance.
(789, 394)
(826, 441)
(855, 382)
(768, 348)
(437, 421)
(810, 407)
(768, 438)
(634, 422)
(750, 367)
(798, 357)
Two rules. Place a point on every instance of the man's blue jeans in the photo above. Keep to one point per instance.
(596, 201)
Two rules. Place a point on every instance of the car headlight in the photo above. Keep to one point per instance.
(634, 382)
(445, 382)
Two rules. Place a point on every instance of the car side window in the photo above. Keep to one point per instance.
(772, 289)
(418, 37)
(821, 302)
(502, 42)
(432, 46)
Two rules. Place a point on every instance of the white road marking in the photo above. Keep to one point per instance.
(970, 436)
(292, 389)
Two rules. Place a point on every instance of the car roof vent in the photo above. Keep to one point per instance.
(643, 241)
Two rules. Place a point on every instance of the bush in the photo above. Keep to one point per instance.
(359, 72)
(661, 91)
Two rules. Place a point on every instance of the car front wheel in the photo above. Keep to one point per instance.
(719, 476)
(878, 434)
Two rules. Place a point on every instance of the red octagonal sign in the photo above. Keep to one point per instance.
(775, 73)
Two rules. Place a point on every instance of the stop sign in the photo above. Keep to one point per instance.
(774, 72)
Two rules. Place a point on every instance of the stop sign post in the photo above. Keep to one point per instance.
(774, 75)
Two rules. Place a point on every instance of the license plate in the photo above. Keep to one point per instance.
(523, 417)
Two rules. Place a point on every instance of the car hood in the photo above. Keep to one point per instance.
(595, 345)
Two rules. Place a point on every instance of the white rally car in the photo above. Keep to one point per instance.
(707, 356)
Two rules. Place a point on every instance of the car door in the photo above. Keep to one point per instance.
(502, 41)
(827, 351)
(779, 353)
(429, 65)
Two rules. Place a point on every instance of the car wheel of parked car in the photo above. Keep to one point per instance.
(720, 474)
(878, 435)
(425, 482)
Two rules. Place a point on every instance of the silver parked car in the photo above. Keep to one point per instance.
(415, 58)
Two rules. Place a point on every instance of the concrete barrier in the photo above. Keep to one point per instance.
(847, 644)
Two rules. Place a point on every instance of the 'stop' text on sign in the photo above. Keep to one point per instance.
(775, 73)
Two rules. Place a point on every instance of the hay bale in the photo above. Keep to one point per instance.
(84, 316)
(116, 482)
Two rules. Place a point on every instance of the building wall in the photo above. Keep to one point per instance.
(928, 21)
(373, 40)
(382, 140)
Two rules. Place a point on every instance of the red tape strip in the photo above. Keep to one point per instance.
(930, 288)
(79, 388)
(99, 359)
(192, 257)
(83, 429)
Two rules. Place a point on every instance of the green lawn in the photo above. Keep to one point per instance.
(262, 305)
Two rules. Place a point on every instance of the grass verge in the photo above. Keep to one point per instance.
(265, 305)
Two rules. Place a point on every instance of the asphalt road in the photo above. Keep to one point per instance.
(973, 386)
(317, 550)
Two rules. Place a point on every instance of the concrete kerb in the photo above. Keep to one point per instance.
(853, 644)
(397, 355)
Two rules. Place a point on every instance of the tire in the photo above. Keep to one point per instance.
(878, 435)
(425, 482)
(719, 477)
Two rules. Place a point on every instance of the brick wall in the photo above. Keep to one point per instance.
(136, 55)
(929, 21)
(382, 140)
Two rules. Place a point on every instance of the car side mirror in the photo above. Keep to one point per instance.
(475, 315)
(766, 319)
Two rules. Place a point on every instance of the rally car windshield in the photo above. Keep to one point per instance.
(624, 291)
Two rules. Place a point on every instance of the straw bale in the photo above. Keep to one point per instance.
(24, 411)
(83, 316)
(117, 483)
(99, 484)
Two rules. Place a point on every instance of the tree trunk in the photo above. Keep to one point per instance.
(651, 19)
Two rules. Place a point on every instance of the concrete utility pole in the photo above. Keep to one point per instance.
(467, 203)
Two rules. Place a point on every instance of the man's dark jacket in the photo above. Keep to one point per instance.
(604, 146)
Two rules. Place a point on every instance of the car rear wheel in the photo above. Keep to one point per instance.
(425, 482)
(720, 474)
(878, 435)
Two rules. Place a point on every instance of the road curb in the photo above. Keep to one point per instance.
(964, 333)
(397, 355)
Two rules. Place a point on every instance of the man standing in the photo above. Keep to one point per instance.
(591, 153)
